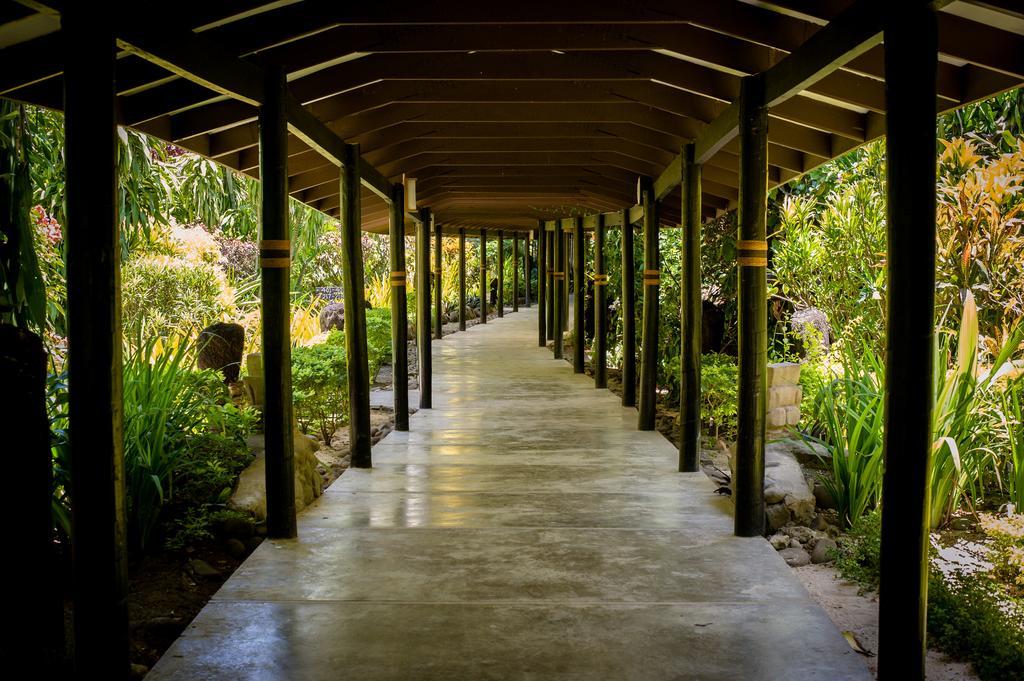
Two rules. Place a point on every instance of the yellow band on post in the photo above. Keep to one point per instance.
(398, 278)
(275, 244)
(752, 262)
(275, 263)
(752, 253)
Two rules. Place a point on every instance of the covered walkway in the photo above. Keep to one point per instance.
(522, 528)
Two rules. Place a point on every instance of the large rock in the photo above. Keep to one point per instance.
(251, 493)
(795, 557)
(784, 483)
(332, 317)
(811, 329)
(220, 348)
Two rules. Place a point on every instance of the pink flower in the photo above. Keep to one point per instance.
(46, 226)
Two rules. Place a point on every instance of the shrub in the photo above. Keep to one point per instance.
(173, 296)
(166, 406)
(851, 413)
(858, 552)
(1007, 550)
(719, 377)
(320, 385)
(378, 338)
(968, 620)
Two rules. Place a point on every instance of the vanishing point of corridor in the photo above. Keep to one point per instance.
(523, 529)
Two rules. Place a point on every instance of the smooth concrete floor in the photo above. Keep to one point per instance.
(522, 529)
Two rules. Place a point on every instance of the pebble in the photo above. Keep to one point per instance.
(795, 557)
(200, 568)
(823, 551)
(779, 541)
(236, 548)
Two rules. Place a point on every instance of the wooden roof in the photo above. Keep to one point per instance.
(507, 113)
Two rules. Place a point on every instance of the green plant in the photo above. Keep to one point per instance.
(164, 404)
(718, 378)
(320, 385)
(167, 296)
(378, 338)
(964, 418)
(968, 620)
(858, 552)
(851, 412)
(1012, 420)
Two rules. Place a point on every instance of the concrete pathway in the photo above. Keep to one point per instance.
(523, 529)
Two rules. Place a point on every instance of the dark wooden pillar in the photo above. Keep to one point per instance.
(515, 271)
(501, 273)
(462, 280)
(628, 311)
(94, 346)
(542, 331)
(910, 77)
(579, 302)
(690, 317)
(526, 268)
(423, 305)
(549, 275)
(563, 266)
(33, 630)
(652, 288)
(355, 310)
(275, 263)
(752, 261)
(600, 357)
(399, 310)
(559, 280)
(485, 287)
(438, 304)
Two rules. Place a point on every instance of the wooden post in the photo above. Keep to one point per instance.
(94, 345)
(580, 300)
(690, 317)
(399, 310)
(484, 284)
(752, 261)
(515, 271)
(423, 305)
(600, 357)
(542, 337)
(550, 239)
(652, 288)
(462, 280)
(33, 631)
(355, 310)
(910, 81)
(526, 268)
(564, 268)
(275, 264)
(501, 273)
(628, 311)
(558, 275)
(438, 304)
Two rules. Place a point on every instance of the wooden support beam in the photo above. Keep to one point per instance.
(438, 303)
(558, 278)
(580, 298)
(275, 260)
(515, 271)
(355, 310)
(94, 347)
(566, 268)
(627, 286)
(752, 261)
(501, 273)
(550, 236)
(423, 306)
(527, 267)
(542, 266)
(399, 307)
(462, 280)
(690, 317)
(910, 67)
(484, 288)
(599, 358)
(651, 287)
